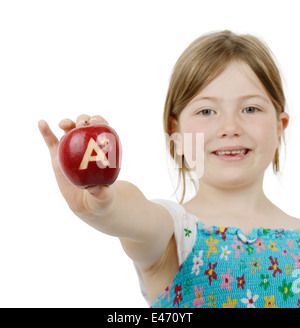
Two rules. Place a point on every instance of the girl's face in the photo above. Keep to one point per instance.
(234, 113)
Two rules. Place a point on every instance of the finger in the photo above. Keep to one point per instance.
(49, 137)
(67, 125)
(97, 119)
(82, 120)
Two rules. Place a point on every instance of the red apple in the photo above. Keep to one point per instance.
(90, 155)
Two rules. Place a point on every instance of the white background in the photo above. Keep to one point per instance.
(114, 58)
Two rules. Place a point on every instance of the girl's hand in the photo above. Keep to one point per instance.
(84, 203)
(145, 229)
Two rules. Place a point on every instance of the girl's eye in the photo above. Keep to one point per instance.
(250, 110)
(206, 112)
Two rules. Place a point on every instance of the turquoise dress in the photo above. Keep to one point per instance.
(226, 269)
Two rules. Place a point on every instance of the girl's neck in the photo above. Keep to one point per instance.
(248, 199)
(244, 208)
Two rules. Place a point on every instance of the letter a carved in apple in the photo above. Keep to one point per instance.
(90, 155)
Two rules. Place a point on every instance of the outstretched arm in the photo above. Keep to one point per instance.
(144, 228)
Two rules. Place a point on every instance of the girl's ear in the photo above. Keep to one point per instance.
(175, 135)
(283, 122)
(173, 125)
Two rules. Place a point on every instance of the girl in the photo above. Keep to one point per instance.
(229, 246)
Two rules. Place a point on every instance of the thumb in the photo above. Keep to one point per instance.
(100, 196)
(49, 137)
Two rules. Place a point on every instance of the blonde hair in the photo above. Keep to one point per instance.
(204, 60)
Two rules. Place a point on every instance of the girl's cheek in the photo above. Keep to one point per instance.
(196, 127)
(263, 130)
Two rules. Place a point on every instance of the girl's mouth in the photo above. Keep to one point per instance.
(232, 155)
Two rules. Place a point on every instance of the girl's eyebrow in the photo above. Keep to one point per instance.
(244, 97)
(255, 96)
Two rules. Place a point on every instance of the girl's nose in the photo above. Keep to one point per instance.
(229, 127)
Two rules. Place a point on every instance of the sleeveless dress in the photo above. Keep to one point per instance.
(221, 267)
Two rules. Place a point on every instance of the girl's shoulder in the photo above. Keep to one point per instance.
(185, 227)
(282, 220)
(290, 222)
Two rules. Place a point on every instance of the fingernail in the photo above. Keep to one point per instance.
(65, 121)
(82, 122)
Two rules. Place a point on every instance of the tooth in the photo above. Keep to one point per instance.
(233, 152)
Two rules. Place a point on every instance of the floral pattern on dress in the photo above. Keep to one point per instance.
(228, 269)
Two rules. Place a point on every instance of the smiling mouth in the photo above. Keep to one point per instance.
(239, 152)
(232, 155)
